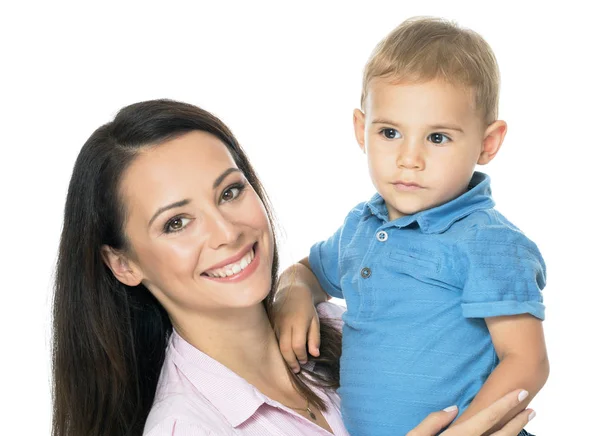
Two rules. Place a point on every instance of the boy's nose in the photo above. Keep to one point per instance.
(410, 156)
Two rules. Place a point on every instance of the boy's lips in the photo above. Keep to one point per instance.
(406, 186)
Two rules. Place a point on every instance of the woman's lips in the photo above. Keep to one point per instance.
(243, 274)
(234, 258)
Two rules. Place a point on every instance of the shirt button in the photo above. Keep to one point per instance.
(382, 236)
(365, 273)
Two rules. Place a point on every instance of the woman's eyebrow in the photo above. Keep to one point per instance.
(181, 203)
(220, 179)
(167, 207)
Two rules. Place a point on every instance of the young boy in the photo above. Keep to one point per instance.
(443, 292)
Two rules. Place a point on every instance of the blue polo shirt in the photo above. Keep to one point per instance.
(418, 289)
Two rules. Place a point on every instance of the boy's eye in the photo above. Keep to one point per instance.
(438, 138)
(391, 133)
(176, 224)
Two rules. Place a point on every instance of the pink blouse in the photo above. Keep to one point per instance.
(196, 395)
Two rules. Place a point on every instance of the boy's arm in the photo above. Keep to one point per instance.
(519, 343)
(295, 315)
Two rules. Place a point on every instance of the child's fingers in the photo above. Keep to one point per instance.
(285, 346)
(299, 344)
(314, 337)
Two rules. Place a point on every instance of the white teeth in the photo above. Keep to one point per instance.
(233, 268)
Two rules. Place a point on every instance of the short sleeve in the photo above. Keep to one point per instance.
(324, 262)
(505, 273)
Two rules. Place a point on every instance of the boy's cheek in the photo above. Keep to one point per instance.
(382, 155)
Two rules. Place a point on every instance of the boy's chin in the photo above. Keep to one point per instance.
(402, 210)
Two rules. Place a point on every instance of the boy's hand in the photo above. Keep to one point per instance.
(296, 324)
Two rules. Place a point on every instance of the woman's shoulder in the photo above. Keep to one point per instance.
(173, 426)
(180, 408)
(180, 427)
(182, 414)
(331, 311)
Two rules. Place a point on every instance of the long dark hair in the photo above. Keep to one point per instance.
(109, 339)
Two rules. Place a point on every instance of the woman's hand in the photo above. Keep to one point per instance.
(480, 423)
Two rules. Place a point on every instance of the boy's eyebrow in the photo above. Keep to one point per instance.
(384, 121)
(167, 207)
(447, 126)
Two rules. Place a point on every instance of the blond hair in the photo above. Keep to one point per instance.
(422, 49)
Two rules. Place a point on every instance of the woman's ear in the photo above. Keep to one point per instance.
(123, 268)
(492, 141)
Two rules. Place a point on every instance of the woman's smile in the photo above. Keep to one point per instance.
(236, 268)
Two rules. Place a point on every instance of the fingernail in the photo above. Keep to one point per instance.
(450, 409)
(523, 395)
(531, 415)
(302, 362)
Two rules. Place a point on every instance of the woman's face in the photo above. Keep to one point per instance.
(199, 235)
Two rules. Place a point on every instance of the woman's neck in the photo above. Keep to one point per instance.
(245, 342)
(242, 340)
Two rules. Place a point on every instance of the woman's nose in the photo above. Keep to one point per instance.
(222, 231)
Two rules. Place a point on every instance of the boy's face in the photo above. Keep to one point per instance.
(422, 142)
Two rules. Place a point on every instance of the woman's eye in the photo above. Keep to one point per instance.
(391, 133)
(176, 224)
(438, 138)
(231, 193)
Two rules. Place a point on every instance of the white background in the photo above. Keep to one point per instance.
(285, 77)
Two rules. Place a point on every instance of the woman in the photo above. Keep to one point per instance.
(164, 288)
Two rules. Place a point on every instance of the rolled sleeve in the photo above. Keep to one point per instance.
(505, 274)
(324, 261)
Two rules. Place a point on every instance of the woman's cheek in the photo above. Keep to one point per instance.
(255, 212)
(174, 257)
(184, 253)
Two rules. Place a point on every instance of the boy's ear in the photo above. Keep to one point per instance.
(492, 141)
(122, 268)
(359, 128)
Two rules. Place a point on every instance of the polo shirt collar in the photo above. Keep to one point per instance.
(440, 218)
(235, 398)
